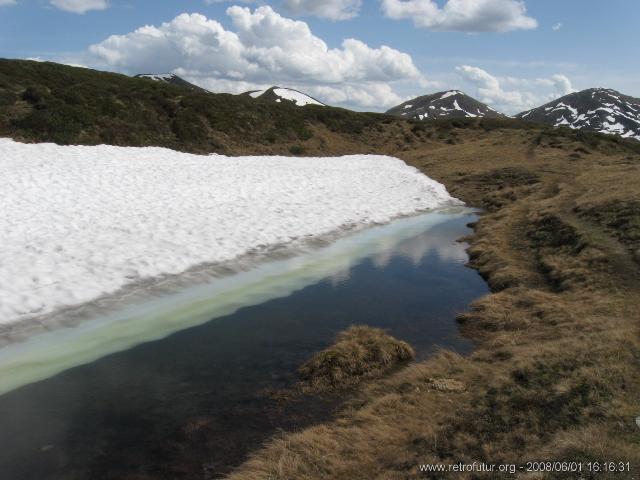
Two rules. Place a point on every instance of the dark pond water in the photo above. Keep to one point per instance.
(194, 404)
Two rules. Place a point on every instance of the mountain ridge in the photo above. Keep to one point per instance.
(602, 110)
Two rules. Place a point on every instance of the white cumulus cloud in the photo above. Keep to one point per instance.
(462, 15)
(331, 9)
(512, 95)
(80, 6)
(263, 48)
(4, 3)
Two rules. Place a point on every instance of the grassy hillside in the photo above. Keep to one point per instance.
(555, 372)
(67, 105)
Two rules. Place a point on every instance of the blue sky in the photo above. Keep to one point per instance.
(512, 54)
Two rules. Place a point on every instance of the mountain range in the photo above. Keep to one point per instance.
(596, 109)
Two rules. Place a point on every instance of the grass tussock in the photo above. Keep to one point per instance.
(359, 352)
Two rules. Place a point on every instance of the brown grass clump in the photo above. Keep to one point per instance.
(359, 352)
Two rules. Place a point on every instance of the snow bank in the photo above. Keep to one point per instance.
(78, 223)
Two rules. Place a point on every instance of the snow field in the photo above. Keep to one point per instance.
(79, 222)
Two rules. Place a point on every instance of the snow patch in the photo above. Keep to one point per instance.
(78, 223)
(450, 94)
(159, 77)
(563, 106)
(300, 99)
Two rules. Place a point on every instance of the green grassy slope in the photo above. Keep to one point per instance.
(68, 105)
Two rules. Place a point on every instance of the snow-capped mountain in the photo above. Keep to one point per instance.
(598, 109)
(449, 104)
(279, 94)
(171, 79)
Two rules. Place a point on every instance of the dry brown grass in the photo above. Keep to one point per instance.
(555, 372)
(359, 352)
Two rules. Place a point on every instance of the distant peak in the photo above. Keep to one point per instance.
(280, 94)
(170, 78)
(599, 109)
(446, 104)
(450, 93)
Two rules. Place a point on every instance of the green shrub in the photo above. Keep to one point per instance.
(296, 150)
(35, 94)
(189, 127)
(56, 122)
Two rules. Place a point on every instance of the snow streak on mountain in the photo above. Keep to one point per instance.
(279, 94)
(597, 109)
(171, 79)
(449, 104)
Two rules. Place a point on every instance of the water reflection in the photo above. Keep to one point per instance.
(161, 310)
(438, 242)
(194, 403)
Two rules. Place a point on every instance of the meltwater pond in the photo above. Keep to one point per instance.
(190, 398)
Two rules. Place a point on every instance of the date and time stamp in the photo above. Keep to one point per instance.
(579, 467)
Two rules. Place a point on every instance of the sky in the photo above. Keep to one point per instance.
(360, 54)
